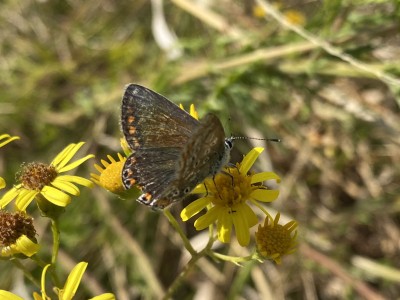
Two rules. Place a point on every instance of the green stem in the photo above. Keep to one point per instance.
(262, 209)
(56, 240)
(176, 226)
(56, 244)
(26, 272)
(39, 261)
(178, 281)
(233, 259)
(211, 238)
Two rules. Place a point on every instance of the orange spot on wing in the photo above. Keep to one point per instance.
(130, 119)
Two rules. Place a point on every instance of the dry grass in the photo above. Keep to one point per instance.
(329, 88)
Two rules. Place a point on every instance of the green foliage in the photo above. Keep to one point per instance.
(63, 68)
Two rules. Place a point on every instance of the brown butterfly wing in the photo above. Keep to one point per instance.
(203, 155)
(157, 131)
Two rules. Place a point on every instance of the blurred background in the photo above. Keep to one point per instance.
(63, 68)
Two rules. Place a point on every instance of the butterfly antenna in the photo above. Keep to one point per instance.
(275, 140)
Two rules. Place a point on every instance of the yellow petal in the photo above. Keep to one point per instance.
(36, 296)
(43, 282)
(111, 159)
(56, 196)
(199, 189)
(264, 195)
(4, 295)
(249, 160)
(249, 215)
(9, 196)
(76, 179)
(241, 226)
(125, 146)
(8, 139)
(73, 281)
(260, 177)
(2, 183)
(207, 219)
(26, 246)
(75, 164)
(224, 227)
(98, 168)
(193, 112)
(24, 198)
(66, 186)
(60, 156)
(194, 208)
(106, 296)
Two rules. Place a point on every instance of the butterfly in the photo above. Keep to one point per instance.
(172, 152)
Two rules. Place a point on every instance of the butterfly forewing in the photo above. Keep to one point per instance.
(149, 120)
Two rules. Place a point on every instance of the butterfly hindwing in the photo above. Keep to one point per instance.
(203, 156)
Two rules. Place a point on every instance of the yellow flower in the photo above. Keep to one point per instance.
(17, 234)
(295, 17)
(110, 177)
(71, 285)
(274, 240)
(6, 139)
(42, 180)
(227, 197)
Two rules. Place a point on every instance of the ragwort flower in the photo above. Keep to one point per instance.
(110, 177)
(227, 198)
(17, 234)
(110, 174)
(43, 180)
(274, 240)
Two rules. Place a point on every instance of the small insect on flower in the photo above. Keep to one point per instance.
(45, 182)
(228, 196)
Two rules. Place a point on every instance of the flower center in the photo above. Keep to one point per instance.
(14, 225)
(110, 177)
(271, 240)
(34, 176)
(229, 188)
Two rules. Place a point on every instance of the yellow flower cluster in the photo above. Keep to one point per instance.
(51, 190)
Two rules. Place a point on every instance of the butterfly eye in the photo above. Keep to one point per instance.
(228, 144)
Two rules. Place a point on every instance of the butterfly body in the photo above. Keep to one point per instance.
(172, 152)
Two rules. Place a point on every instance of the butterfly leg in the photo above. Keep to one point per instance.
(205, 186)
(216, 187)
